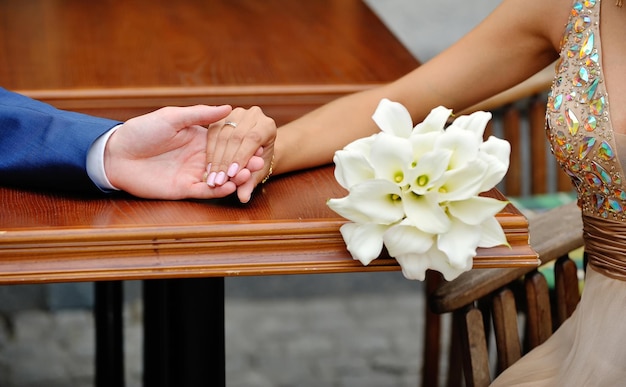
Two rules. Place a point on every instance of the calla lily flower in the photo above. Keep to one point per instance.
(425, 213)
(492, 234)
(363, 241)
(393, 118)
(475, 210)
(416, 191)
(435, 121)
(352, 168)
(463, 183)
(474, 123)
(352, 164)
(414, 266)
(404, 238)
(462, 143)
(440, 263)
(372, 201)
(361, 145)
(459, 243)
(391, 158)
(496, 153)
(427, 174)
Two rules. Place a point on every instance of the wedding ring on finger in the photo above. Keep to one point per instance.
(233, 124)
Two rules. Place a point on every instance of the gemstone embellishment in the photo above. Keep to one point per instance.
(577, 114)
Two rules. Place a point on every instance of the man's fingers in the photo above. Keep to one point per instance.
(244, 191)
(200, 190)
(255, 164)
(183, 117)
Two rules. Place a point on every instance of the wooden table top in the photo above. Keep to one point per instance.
(286, 229)
(118, 58)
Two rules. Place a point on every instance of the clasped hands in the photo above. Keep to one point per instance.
(189, 152)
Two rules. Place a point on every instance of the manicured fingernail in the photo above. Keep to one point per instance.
(208, 168)
(232, 170)
(221, 178)
(211, 179)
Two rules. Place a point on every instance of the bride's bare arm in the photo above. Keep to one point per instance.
(517, 40)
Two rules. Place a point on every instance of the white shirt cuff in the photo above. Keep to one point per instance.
(95, 162)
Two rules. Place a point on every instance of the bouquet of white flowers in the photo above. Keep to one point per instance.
(416, 190)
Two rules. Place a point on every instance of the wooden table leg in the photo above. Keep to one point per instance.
(184, 341)
(432, 334)
(108, 314)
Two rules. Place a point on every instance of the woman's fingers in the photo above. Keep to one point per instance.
(233, 141)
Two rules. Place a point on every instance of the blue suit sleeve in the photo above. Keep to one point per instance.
(44, 147)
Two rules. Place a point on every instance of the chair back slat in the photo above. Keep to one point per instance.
(566, 288)
(505, 328)
(539, 316)
(539, 162)
(514, 179)
(476, 365)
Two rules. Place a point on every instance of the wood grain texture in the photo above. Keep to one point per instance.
(286, 229)
(119, 59)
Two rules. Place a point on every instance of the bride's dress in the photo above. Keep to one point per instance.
(589, 349)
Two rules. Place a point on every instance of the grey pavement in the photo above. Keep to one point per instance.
(318, 330)
(360, 329)
(370, 339)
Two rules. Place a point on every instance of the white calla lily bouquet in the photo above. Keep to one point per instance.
(416, 190)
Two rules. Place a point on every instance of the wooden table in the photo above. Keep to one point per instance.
(286, 229)
(118, 59)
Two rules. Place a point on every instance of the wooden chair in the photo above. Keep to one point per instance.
(479, 294)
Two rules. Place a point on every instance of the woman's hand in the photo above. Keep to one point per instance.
(242, 140)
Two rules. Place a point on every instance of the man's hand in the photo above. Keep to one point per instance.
(163, 155)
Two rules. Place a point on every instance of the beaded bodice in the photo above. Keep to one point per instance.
(579, 126)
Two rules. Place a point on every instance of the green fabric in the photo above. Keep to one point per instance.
(543, 202)
(548, 269)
